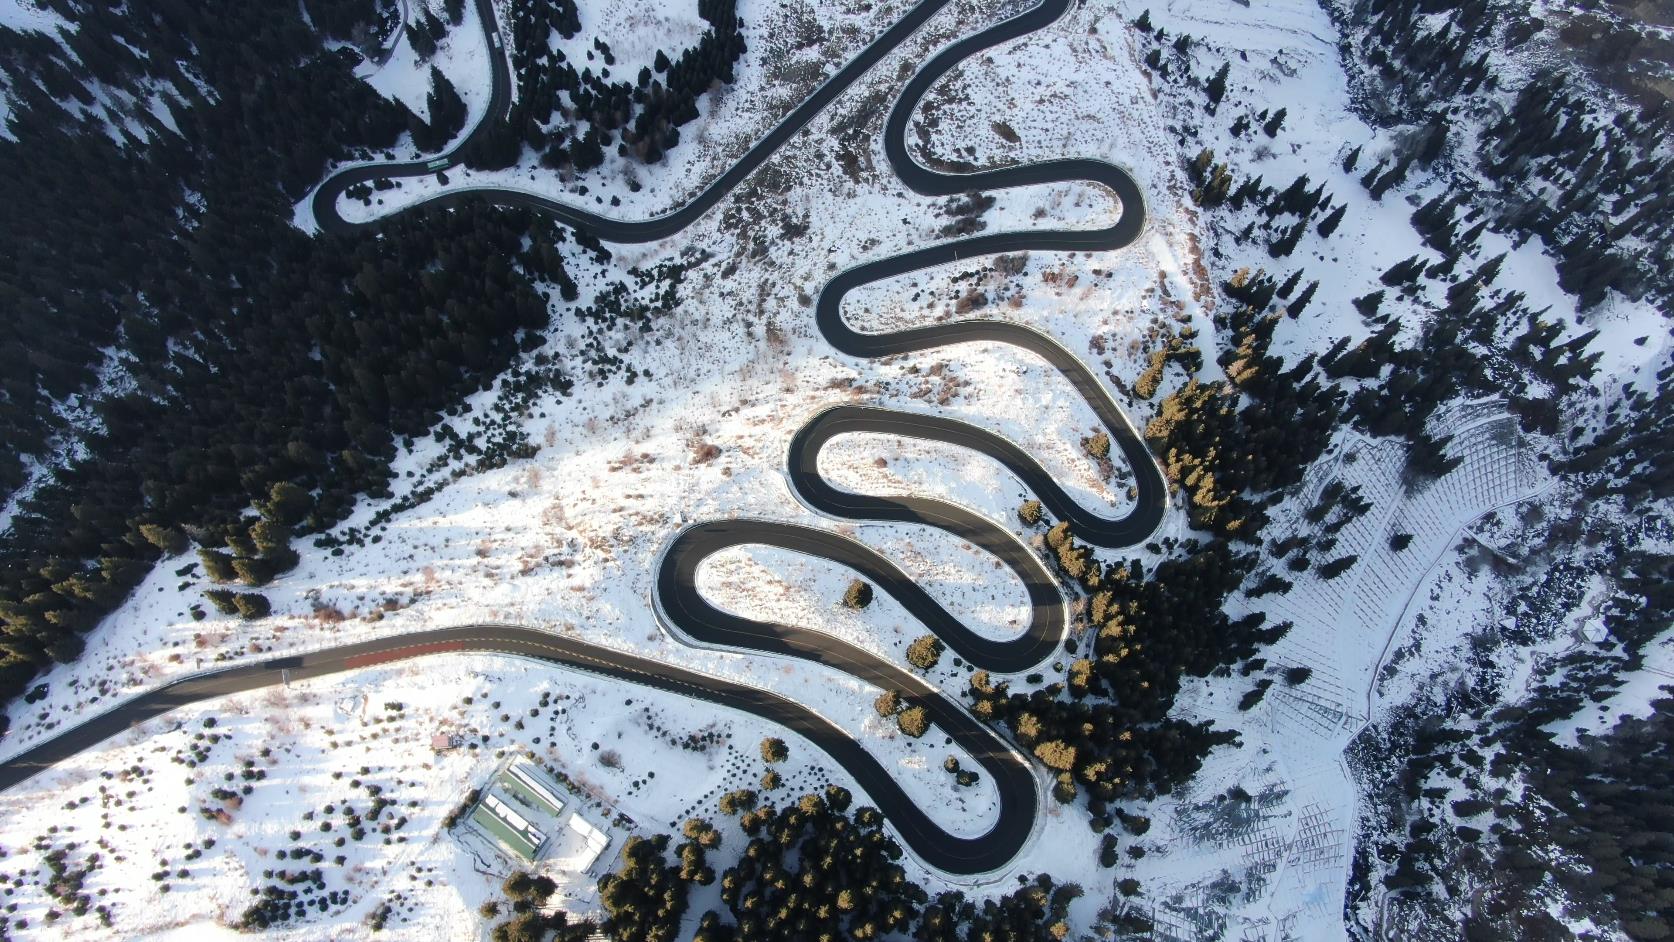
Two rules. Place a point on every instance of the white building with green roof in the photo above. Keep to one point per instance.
(530, 817)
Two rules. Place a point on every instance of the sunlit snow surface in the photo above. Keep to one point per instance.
(569, 539)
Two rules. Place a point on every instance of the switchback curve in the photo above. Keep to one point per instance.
(998, 759)
(677, 597)
(683, 605)
(330, 220)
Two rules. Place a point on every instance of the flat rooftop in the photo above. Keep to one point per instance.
(508, 827)
(523, 809)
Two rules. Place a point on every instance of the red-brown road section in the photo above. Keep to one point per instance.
(416, 650)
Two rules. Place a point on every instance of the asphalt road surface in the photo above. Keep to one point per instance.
(679, 603)
(952, 854)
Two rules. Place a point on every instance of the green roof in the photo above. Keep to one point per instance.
(527, 795)
(514, 839)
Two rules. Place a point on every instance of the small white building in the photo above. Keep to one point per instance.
(594, 842)
(1595, 631)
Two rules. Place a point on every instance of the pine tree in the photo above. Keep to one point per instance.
(252, 604)
(1295, 308)
(424, 33)
(738, 801)
(914, 721)
(888, 704)
(1286, 244)
(1277, 121)
(1403, 272)
(1254, 696)
(1396, 175)
(1337, 567)
(1368, 304)
(269, 538)
(217, 565)
(1030, 513)
(1370, 177)
(1217, 84)
(1330, 223)
(587, 152)
(167, 539)
(1057, 755)
(225, 601)
(447, 110)
(286, 503)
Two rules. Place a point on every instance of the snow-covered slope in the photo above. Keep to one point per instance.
(1258, 846)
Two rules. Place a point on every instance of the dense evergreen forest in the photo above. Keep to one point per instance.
(643, 116)
(1232, 447)
(1589, 820)
(1426, 62)
(814, 869)
(153, 160)
(1579, 160)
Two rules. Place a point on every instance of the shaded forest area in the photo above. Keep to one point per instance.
(642, 117)
(1233, 447)
(812, 869)
(1478, 338)
(1491, 818)
(1585, 168)
(260, 368)
(1587, 174)
(1586, 171)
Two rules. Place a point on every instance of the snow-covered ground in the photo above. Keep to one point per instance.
(777, 585)
(569, 539)
(461, 55)
(1224, 866)
(1276, 866)
(325, 749)
(1653, 681)
(28, 15)
(792, 48)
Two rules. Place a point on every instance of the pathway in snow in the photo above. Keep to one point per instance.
(1290, 845)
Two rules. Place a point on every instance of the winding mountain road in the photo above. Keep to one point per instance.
(678, 601)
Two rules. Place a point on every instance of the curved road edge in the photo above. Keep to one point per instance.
(1013, 776)
(928, 840)
(330, 220)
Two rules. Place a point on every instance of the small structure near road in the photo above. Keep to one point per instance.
(445, 742)
(593, 843)
(536, 823)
